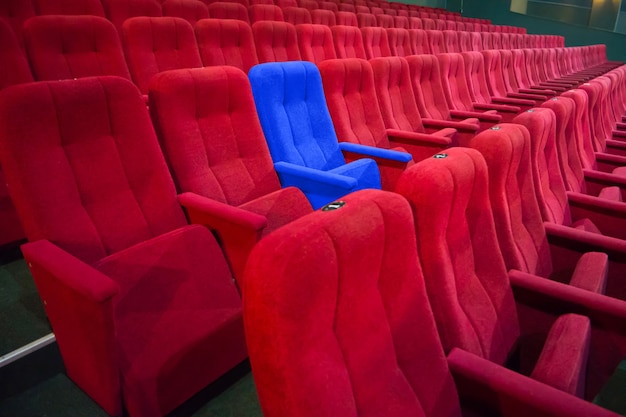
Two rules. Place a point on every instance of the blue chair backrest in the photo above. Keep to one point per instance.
(292, 108)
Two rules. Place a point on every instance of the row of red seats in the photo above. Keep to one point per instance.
(93, 140)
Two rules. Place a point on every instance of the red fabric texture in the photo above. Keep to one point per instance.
(419, 42)
(315, 43)
(228, 10)
(62, 47)
(435, 41)
(226, 42)
(384, 21)
(119, 10)
(111, 247)
(399, 42)
(190, 10)
(348, 42)
(155, 44)
(323, 17)
(359, 355)
(297, 15)
(346, 18)
(261, 12)
(275, 41)
(15, 13)
(451, 41)
(69, 7)
(213, 142)
(375, 42)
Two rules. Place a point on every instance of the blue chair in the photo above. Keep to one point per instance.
(290, 102)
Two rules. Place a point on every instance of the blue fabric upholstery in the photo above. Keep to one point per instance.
(300, 134)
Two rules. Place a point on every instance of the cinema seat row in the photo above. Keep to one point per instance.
(121, 222)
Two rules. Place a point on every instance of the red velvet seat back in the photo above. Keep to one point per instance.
(567, 151)
(190, 10)
(346, 7)
(69, 7)
(323, 17)
(428, 24)
(156, 44)
(415, 23)
(348, 42)
(451, 41)
(476, 42)
(297, 15)
(440, 24)
(69, 175)
(493, 72)
(399, 42)
(375, 42)
(394, 91)
(119, 10)
(466, 278)
(453, 78)
(352, 103)
(328, 5)
(384, 21)
(62, 47)
(361, 298)
(286, 3)
(275, 41)
(419, 41)
(261, 12)
(14, 68)
(505, 41)
(475, 74)
(584, 141)
(222, 154)
(487, 40)
(315, 42)
(427, 87)
(15, 13)
(226, 42)
(508, 71)
(519, 68)
(519, 225)
(346, 19)
(435, 41)
(366, 20)
(496, 40)
(401, 22)
(309, 4)
(549, 185)
(228, 10)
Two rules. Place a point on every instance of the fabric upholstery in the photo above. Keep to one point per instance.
(155, 44)
(348, 42)
(315, 43)
(290, 102)
(15, 13)
(323, 17)
(419, 41)
(66, 47)
(213, 143)
(346, 18)
(119, 10)
(228, 10)
(69, 7)
(366, 20)
(399, 42)
(435, 41)
(261, 12)
(226, 42)
(190, 10)
(297, 15)
(375, 42)
(275, 41)
(110, 248)
(363, 321)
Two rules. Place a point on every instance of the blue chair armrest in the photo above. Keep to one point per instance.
(375, 152)
(296, 173)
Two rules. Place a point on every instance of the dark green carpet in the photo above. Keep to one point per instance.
(22, 317)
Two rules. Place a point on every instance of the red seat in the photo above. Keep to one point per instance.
(286, 3)
(328, 5)
(297, 15)
(190, 10)
(142, 304)
(119, 10)
(399, 42)
(65, 47)
(262, 12)
(348, 42)
(520, 229)
(346, 19)
(415, 23)
(323, 17)
(384, 21)
(315, 43)
(435, 41)
(451, 41)
(15, 13)
(432, 105)
(366, 20)
(237, 175)
(375, 42)
(69, 7)
(275, 41)
(228, 10)
(309, 4)
(155, 44)
(481, 308)
(226, 42)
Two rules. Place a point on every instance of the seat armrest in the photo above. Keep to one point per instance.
(403, 137)
(471, 126)
(238, 230)
(374, 152)
(527, 96)
(484, 385)
(502, 108)
(293, 174)
(513, 101)
(483, 117)
(607, 162)
(78, 300)
(608, 216)
(539, 91)
(595, 181)
(616, 147)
